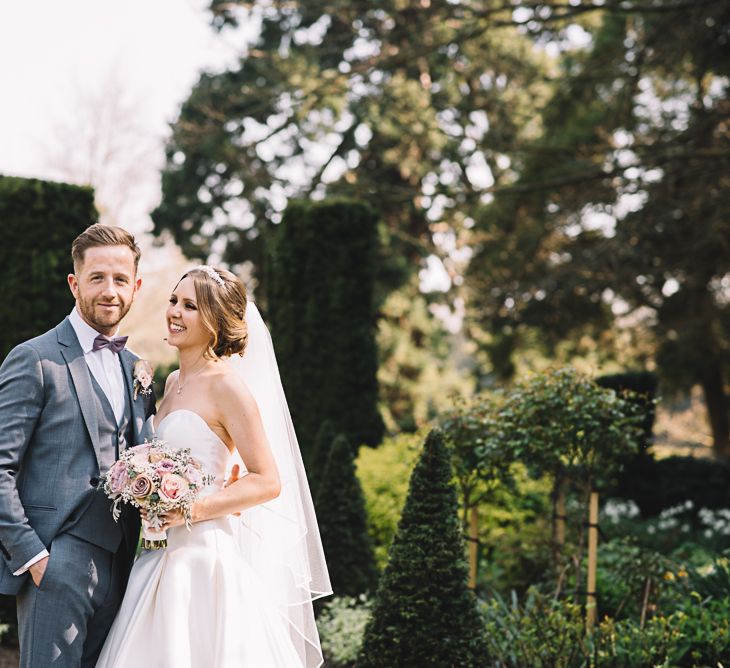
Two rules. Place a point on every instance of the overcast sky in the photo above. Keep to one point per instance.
(55, 54)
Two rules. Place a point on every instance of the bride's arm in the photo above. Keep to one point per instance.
(240, 417)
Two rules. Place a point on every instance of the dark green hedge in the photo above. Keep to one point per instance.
(655, 485)
(39, 221)
(343, 522)
(321, 280)
(643, 386)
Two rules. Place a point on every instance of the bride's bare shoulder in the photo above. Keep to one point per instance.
(228, 386)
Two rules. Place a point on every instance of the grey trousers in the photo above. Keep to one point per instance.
(63, 623)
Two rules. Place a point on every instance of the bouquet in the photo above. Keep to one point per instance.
(157, 479)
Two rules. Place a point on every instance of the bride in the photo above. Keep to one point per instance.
(237, 588)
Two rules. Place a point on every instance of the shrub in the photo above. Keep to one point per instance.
(548, 633)
(542, 633)
(343, 525)
(424, 614)
(341, 627)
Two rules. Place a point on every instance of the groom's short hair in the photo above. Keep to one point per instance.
(102, 235)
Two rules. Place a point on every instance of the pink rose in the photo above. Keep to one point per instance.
(142, 486)
(144, 379)
(165, 466)
(173, 487)
(118, 477)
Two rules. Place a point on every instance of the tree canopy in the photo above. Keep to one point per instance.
(617, 212)
(339, 98)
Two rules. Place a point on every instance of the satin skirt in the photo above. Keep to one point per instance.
(196, 604)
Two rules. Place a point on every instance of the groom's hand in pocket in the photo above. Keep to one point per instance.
(37, 571)
(235, 474)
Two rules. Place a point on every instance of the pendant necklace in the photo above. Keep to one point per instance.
(181, 385)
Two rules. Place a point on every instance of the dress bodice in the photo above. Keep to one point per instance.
(183, 428)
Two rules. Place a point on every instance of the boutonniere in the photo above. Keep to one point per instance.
(142, 374)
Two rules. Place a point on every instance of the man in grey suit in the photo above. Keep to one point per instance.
(69, 403)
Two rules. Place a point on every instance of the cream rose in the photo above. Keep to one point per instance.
(140, 455)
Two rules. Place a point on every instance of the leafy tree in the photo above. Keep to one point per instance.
(418, 362)
(322, 268)
(40, 220)
(482, 459)
(424, 614)
(343, 524)
(565, 426)
(563, 423)
(339, 98)
(616, 212)
(480, 446)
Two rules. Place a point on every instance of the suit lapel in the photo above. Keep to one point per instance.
(137, 404)
(81, 377)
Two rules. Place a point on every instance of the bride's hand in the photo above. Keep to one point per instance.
(172, 518)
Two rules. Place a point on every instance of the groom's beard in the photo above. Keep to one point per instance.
(101, 318)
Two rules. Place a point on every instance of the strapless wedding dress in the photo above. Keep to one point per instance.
(197, 603)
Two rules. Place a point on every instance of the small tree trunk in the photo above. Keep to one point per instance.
(559, 518)
(591, 596)
(717, 410)
(473, 545)
(645, 603)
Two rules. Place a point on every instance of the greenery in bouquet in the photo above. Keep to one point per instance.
(156, 478)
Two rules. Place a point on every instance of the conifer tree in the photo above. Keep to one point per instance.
(317, 459)
(343, 523)
(424, 613)
(322, 313)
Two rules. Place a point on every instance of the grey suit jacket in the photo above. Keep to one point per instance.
(49, 444)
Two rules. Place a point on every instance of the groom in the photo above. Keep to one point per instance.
(69, 404)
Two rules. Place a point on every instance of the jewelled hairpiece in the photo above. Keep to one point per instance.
(211, 272)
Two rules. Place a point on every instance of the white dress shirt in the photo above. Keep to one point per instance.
(107, 371)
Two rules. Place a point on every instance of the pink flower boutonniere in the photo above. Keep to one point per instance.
(142, 377)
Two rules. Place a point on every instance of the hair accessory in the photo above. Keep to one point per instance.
(211, 272)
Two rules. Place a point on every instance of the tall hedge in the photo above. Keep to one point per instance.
(342, 522)
(39, 221)
(321, 279)
(424, 613)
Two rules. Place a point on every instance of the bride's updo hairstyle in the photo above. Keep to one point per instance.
(221, 298)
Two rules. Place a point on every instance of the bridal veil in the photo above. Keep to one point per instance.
(280, 538)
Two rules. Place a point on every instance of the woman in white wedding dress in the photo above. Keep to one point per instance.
(236, 589)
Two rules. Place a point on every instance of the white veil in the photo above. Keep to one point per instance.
(280, 538)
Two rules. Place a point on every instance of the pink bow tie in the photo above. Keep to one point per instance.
(115, 344)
